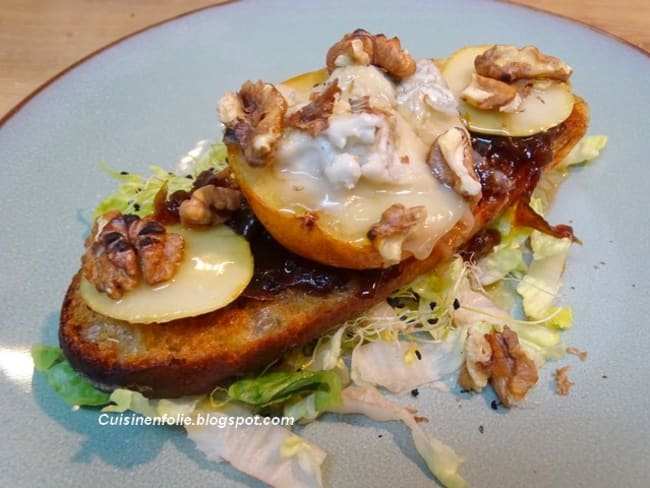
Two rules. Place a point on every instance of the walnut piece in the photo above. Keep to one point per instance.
(361, 47)
(209, 205)
(509, 63)
(396, 225)
(451, 161)
(562, 383)
(122, 249)
(487, 93)
(314, 117)
(159, 251)
(582, 355)
(254, 120)
(474, 376)
(498, 357)
(396, 219)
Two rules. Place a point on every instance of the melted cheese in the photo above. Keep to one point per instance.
(216, 267)
(365, 162)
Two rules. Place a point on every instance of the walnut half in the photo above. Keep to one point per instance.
(451, 162)
(254, 120)
(314, 117)
(209, 205)
(498, 357)
(487, 93)
(122, 249)
(361, 47)
(509, 63)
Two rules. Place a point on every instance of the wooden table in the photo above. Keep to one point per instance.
(39, 38)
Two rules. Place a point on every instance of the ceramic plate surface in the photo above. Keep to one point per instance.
(150, 98)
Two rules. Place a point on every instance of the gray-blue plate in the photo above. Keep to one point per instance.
(148, 99)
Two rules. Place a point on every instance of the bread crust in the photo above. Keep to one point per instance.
(194, 355)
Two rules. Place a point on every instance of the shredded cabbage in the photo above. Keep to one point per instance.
(123, 400)
(540, 286)
(385, 363)
(588, 148)
(440, 458)
(136, 194)
(279, 387)
(64, 380)
(270, 453)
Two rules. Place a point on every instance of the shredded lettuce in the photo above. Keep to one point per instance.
(136, 194)
(505, 259)
(399, 366)
(539, 288)
(588, 148)
(279, 387)
(270, 453)
(123, 400)
(64, 380)
(440, 458)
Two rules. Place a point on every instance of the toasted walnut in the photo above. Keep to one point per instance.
(509, 63)
(396, 219)
(314, 117)
(110, 262)
(513, 373)
(209, 205)
(499, 358)
(396, 225)
(562, 383)
(452, 163)
(254, 120)
(123, 248)
(361, 47)
(474, 374)
(159, 251)
(487, 93)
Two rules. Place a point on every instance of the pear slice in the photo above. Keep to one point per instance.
(217, 265)
(547, 103)
(329, 224)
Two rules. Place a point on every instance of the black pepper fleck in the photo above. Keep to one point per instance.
(416, 296)
(380, 435)
(456, 304)
(124, 173)
(415, 392)
(494, 405)
(418, 355)
(481, 429)
(136, 207)
(432, 305)
(432, 321)
(189, 177)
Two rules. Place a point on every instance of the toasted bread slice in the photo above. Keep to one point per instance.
(193, 355)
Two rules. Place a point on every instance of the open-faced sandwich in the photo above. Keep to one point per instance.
(371, 208)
